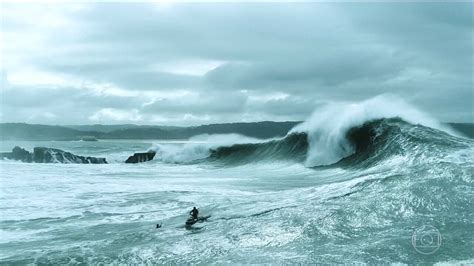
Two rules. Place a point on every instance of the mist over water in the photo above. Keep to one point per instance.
(350, 185)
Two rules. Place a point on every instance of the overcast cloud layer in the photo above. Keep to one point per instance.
(188, 64)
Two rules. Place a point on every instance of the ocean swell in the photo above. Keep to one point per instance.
(328, 126)
(350, 133)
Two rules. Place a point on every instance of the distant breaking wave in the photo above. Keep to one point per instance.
(354, 134)
(198, 148)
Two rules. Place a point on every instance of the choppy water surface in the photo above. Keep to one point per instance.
(269, 201)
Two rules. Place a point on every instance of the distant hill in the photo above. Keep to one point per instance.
(262, 130)
(101, 128)
(22, 131)
(110, 128)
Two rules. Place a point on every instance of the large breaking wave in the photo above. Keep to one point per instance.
(345, 133)
(328, 126)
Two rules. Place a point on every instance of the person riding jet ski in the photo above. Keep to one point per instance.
(194, 213)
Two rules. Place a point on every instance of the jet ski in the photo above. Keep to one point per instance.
(190, 221)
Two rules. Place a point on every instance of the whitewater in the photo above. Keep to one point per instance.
(376, 181)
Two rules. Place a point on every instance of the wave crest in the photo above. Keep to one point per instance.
(328, 126)
(198, 147)
(351, 133)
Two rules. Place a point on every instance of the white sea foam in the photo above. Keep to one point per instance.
(328, 125)
(198, 147)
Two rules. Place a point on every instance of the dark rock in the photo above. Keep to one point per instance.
(6, 155)
(140, 157)
(49, 155)
(18, 154)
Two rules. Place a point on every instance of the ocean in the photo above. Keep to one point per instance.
(350, 186)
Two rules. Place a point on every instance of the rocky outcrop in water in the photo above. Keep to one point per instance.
(140, 157)
(49, 155)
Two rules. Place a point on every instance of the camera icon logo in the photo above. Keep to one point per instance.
(426, 239)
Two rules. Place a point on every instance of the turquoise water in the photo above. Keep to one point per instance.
(263, 211)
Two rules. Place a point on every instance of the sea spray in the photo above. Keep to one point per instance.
(327, 126)
(364, 209)
(325, 132)
(199, 147)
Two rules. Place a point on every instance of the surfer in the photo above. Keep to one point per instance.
(194, 213)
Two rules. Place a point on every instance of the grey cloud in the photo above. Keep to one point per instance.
(280, 107)
(69, 97)
(217, 102)
(310, 51)
(328, 70)
(64, 105)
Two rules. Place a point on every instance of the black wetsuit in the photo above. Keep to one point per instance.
(194, 213)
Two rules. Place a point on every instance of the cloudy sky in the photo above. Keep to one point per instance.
(187, 64)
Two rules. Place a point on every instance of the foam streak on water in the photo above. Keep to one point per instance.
(271, 212)
(387, 173)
